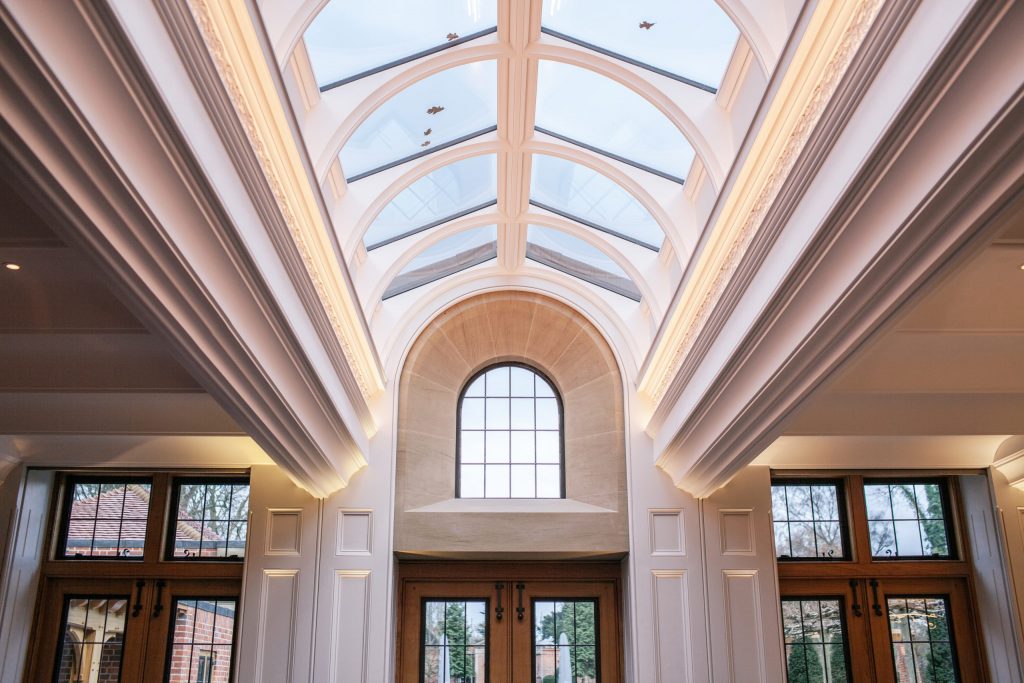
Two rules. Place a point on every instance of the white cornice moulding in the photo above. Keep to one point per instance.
(1011, 464)
(89, 155)
(894, 227)
(8, 463)
(835, 32)
(232, 41)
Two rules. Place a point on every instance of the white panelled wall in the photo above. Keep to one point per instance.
(701, 599)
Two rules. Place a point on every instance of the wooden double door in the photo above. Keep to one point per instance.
(884, 630)
(509, 623)
(135, 629)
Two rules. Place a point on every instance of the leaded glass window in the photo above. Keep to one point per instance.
(212, 520)
(92, 643)
(201, 640)
(815, 636)
(105, 519)
(908, 519)
(809, 520)
(454, 641)
(510, 435)
(565, 646)
(922, 643)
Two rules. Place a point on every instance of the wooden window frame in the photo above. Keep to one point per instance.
(860, 563)
(857, 578)
(222, 577)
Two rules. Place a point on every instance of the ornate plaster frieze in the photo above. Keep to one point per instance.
(832, 39)
(232, 43)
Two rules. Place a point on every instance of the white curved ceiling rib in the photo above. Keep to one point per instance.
(400, 114)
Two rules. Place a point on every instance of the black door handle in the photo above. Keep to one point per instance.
(499, 610)
(159, 606)
(855, 605)
(137, 607)
(874, 591)
(520, 610)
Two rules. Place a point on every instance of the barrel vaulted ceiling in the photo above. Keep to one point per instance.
(573, 145)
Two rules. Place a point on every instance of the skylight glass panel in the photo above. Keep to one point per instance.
(431, 114)
(449, 256)
(573, 256)
(602, 114)
(578, 192)
(690, 40)
(348, 40)
(442, 195)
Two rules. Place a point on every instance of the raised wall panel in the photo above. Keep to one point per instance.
(667, 536)
(355, 528)
(736, 529)
(284, 532)
(745, 635)
(278, 597)
(744, 620)
(349, 625)
(279, 594)
(672, 642)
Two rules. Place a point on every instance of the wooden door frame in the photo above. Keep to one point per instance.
(45, 648)
(446, 575)
(858, 628)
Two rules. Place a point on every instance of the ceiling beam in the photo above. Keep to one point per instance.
(941, 181)
(89, 136)
(77, 413)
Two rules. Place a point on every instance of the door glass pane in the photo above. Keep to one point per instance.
(201, 641)
(565, 648)
(454, 641)
(922, 646)
(92, 645)
(907, 519)
(815, 640)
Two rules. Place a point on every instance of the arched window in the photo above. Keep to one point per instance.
(510, 435)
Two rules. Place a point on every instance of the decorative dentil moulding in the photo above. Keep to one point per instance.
(231, 41)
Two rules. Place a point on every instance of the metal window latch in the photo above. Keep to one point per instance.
(499, 609)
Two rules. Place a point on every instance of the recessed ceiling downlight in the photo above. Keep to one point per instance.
(12, 266)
